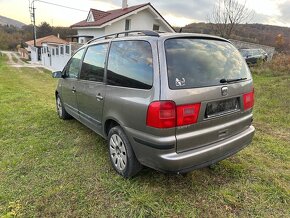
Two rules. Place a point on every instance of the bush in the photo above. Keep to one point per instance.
(279, 65)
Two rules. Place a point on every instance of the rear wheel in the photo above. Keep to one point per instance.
(121, 153)
(61, 110)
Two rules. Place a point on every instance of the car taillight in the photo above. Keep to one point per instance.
(187, 114)
(161, 114)
(248, 100)
(165, 114)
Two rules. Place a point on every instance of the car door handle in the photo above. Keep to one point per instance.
(99, 97)
(73, 90)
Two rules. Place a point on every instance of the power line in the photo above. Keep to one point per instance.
(32, 13)
(63, 6)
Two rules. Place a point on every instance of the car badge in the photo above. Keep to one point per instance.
(224, 91)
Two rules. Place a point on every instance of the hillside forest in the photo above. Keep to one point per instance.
(275, 36)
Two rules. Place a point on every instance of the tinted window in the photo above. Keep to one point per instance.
(74, 65)
(130, 64)
(202, 62)
(94, 62)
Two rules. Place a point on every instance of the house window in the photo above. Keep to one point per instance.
(156, 27)
(52, 51)
(127, 24)
(57, 51)
(67, 49)
(61, 50)
(44, 50)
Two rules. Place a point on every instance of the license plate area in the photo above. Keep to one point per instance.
(223, 107)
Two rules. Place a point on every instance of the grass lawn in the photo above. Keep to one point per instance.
(55, 168)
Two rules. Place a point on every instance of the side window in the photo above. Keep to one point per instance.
(61, 50)
(74, 65)
(156, 27)
(130, 64)
(94, 63)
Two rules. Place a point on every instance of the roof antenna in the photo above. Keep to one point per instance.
(180, 30)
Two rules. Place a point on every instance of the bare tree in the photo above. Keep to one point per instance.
(227, 14)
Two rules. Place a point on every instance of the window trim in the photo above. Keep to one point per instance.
(107, 62)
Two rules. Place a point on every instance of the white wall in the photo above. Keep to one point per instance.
(89, 32)
(33, 53)
(52, 60)
(143, 20)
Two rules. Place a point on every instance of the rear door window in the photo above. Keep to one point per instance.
(193, 63)
(130, 64)
(94, 63)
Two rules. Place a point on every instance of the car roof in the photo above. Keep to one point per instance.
(156, 36)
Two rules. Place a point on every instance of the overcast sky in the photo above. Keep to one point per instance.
(176, 12)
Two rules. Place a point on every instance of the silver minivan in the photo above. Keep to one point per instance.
(170, 101)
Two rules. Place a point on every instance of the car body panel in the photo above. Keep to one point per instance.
(177, 149)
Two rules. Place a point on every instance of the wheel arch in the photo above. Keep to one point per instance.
(110, 123)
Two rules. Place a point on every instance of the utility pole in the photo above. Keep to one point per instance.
(34, 27)
(32, 16)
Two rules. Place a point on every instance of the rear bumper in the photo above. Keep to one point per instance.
(170, 161)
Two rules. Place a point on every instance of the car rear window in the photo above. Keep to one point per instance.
(193, 63)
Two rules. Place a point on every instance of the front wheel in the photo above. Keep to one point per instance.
(121, 153)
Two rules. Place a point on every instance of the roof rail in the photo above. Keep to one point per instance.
(126, 33)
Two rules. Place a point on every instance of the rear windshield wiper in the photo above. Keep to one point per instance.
(232, 80)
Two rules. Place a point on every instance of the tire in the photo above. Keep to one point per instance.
(121, 153)
(61, 110)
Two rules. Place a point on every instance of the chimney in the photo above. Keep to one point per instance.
(124, 4)
(58, 35)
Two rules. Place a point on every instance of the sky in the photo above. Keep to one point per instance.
(176, 12)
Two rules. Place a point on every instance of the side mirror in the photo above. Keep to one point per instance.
(57, 74)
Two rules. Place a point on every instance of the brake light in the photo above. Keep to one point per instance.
(248, 100)
(161, 114)
(165, 114)
(187, 114)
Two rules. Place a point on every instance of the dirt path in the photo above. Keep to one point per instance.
(15, 61)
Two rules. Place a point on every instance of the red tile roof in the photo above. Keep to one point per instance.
(102, 17)
(47, 39)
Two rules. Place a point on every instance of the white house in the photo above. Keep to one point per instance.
(51, 52)
(35, 51)
(138, 17)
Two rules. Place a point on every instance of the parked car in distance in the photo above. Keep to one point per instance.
(252, 56)
(172, 101)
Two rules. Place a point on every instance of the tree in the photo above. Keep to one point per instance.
(227, 14)
(44, 30)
